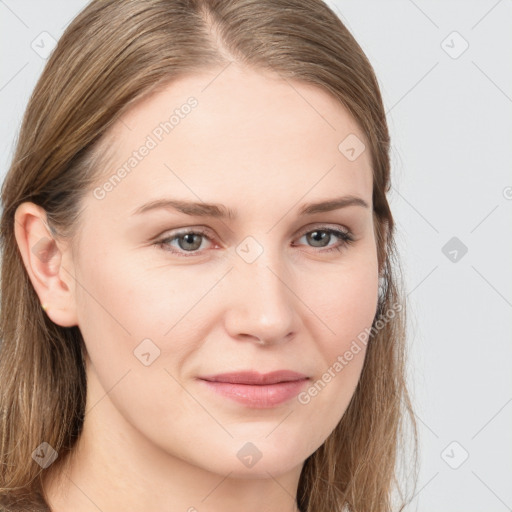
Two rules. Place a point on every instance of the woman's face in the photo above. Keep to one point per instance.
(268, 289)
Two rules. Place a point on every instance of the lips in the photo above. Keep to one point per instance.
(256, 378)
(257, 390)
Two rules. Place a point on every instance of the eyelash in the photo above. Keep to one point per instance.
(345, 237)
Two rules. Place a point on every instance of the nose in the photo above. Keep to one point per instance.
(263, 306)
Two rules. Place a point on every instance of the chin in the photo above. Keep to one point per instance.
(274, 467)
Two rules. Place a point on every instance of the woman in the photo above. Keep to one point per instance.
(199, 304)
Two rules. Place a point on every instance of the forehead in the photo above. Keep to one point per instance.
(222, 132)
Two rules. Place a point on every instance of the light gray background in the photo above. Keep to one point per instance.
(450, 118)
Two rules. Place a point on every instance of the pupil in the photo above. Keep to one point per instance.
(318, 238)
(189, 237)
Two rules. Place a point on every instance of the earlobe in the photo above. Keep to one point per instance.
(43, 258)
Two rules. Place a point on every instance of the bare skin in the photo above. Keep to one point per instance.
(155, 438)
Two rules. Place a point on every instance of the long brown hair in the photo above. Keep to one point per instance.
(113, 54)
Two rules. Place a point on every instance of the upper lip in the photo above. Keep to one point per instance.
(253, 377)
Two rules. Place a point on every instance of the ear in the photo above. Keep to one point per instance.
(48, 263)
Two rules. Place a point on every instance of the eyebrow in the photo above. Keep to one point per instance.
(220, 211)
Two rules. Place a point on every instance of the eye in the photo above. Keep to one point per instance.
(191, 241)
(188, 241)
(322, 235)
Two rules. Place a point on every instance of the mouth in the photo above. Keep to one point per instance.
(256, 378)
(255, 389)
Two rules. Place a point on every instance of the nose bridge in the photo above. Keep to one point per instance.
(264, 304)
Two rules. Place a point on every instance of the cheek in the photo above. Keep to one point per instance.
(346, 304)
(131, 307)
(135, 297)
(117, 310)
(126, 312)
(127, 301)
(346, 307)
(354, 306)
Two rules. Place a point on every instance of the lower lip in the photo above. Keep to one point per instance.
(259, 397)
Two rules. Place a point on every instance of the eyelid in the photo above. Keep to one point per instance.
(172, 234)
(319, 225)
(207, 233)
(210, 234)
